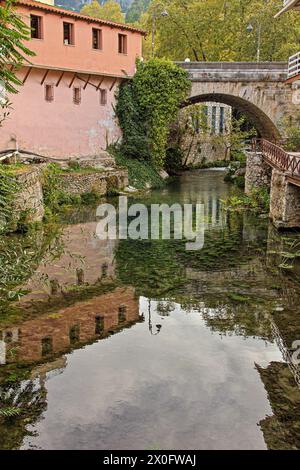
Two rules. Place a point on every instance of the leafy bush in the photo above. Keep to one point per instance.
(8, 188)
(174, 158)
(258, 201)
(147, 105)
(140, 173)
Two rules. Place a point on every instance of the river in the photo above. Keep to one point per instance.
(140, 344)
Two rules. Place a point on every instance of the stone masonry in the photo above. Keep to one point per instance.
(258, 173)
(284, 202)
(28, 202)
(99, 182)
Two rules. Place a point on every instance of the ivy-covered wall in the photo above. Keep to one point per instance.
(146, 107)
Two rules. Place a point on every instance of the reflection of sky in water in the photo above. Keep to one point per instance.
(184, 379)
(185, 388)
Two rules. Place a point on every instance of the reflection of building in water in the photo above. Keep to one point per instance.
(55, 333)
(85, 259)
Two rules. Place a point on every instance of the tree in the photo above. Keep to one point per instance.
(110, 11)
(136, 9)
(13, 52)
(216, 30)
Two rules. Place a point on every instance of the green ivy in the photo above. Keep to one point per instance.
(146, 107)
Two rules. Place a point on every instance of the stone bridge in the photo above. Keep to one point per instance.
(260, 90)
(257, 89)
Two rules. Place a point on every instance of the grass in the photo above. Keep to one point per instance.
(13, 169)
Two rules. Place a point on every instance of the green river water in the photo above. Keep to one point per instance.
(140, 344)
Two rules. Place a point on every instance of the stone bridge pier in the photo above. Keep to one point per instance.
(284, 189)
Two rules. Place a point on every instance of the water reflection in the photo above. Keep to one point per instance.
(202, 353)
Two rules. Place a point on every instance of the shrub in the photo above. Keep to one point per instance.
(146, 107)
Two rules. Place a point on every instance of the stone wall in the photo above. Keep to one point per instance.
(258, 173)
(202, 150)
(29, 204)
(284, 202)
(99, 182)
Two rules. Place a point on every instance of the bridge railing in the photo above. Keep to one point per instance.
(294, 65)
(277, 156)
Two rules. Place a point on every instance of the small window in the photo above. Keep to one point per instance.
(74, 334)
(47, 346)
(213, 119)
(68, 34)
(104, 269)
(103, 97)
(222, 120)
(36, 26)
(122, 314)
(49, 93)
(77, 95)
(97, 38)
(99, 325)
(122, 44)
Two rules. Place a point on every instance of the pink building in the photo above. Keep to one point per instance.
(65, 106)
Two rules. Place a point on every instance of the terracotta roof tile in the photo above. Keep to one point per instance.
(72, 14)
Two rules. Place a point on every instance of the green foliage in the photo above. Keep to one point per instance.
(10, 412)
(291, 129)
(136, 9)
(147, 106)
(8, 188)
(173, 162)
(216, 30)
(13, 33)
(5, 107)
(89, 198)
(234, 140)
(20, 257)
(258, 201)
(140, 173)
(110, 11)
(54, 196)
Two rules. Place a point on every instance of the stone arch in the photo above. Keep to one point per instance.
(263, 123)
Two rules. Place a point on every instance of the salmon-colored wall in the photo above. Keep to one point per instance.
(51, 50)
(60, 128)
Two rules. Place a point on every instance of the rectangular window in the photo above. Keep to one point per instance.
(222, 121)
(68, 34)
(103, 97)
(74, 334)
(36, 26)
(122, 44)
(77, 95)
(49, 93)
(47, 346)
(213, 119)
(97, 38)
(122, 314)
(99, 325)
